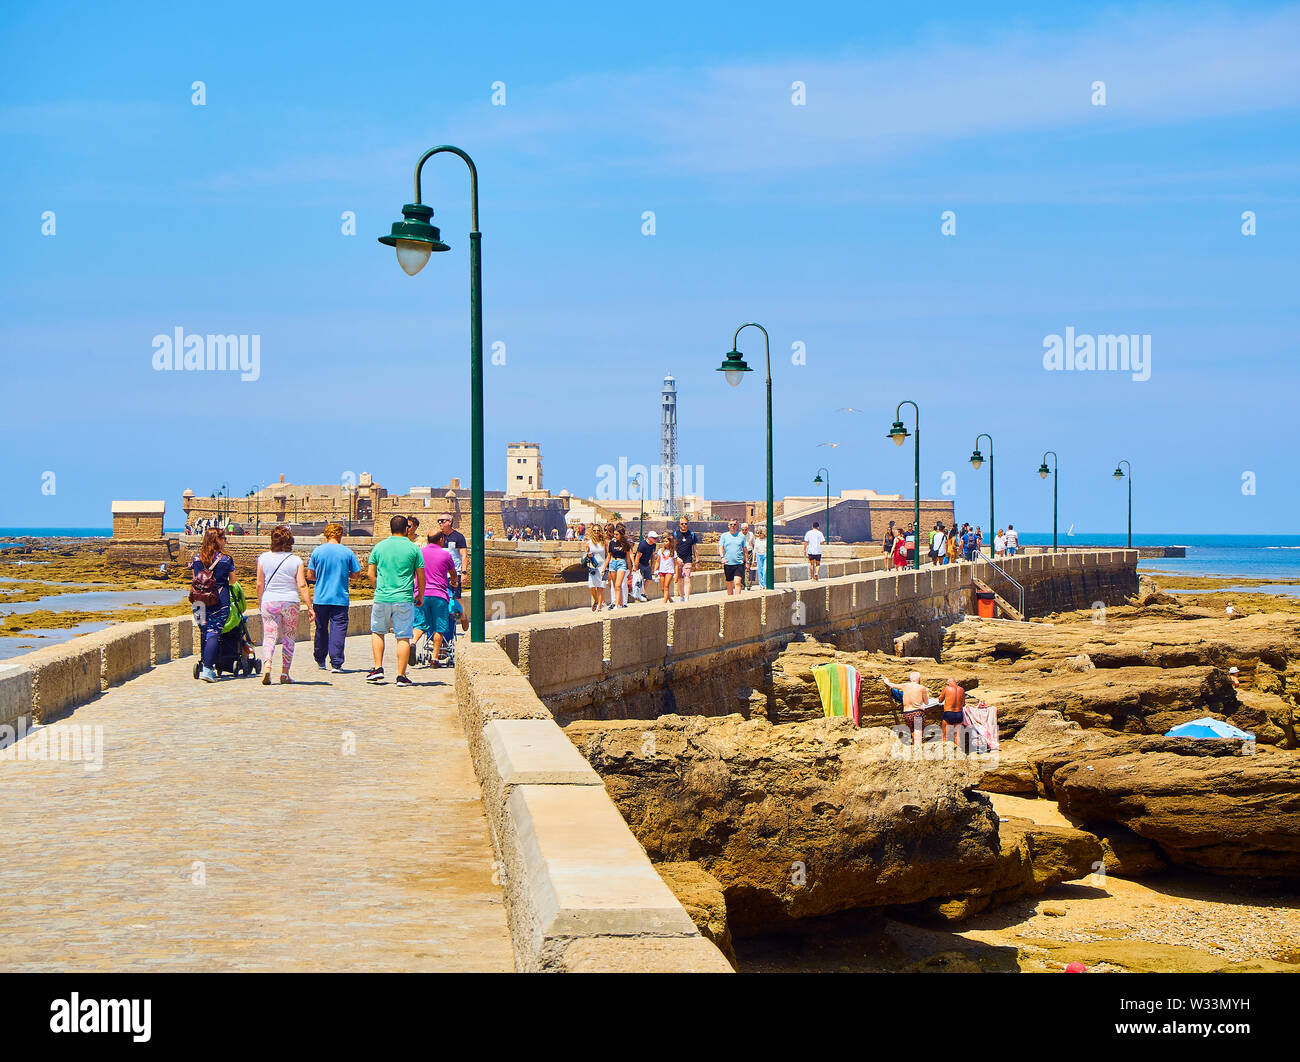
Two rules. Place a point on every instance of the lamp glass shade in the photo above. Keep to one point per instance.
(898, 433)
(1044, 471)
(412, 255)
(976, 459)
(733, 367)
(1119, 473)
(819, 478)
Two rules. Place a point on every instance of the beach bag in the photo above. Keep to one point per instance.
(203, 589)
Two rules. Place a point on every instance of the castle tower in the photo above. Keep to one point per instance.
(668, 471)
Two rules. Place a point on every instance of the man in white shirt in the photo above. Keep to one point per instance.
(812, 548)
(937, 552)
(1013, 540)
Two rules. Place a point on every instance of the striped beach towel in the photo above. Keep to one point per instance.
(838, 685)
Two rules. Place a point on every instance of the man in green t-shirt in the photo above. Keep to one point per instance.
(396, 571)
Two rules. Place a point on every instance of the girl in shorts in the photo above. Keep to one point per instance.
(666, 568)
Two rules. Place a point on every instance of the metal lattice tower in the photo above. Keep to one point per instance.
(668, 474)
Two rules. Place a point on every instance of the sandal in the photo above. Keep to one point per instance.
(284, 680)
(266, 678)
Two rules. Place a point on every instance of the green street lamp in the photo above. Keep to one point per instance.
(899, 434)
(734, 368)
(1044, 472)
(828, 498)
(415, 238)
(1119, 474)
(257, 506)
(977, 459)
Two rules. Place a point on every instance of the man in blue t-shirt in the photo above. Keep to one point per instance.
(731, 548)
(329, 568)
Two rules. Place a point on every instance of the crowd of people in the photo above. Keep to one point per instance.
(417, 595)
(947, 545)
(622, 569)
(533, 534)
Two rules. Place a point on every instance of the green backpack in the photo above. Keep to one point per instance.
(237, 607)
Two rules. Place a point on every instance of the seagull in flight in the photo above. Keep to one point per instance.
(847, 409)
(831, 445)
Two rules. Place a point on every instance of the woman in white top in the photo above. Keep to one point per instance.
(666, 566)
(999, 544)
(281, 586)
(595, 546)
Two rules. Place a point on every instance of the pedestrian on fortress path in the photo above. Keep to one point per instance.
(210, 596)
(760, 556)
(1013, 540)
(951, 547)
(688, 546)
(812, 548)
(458, 548)
(1000, 543)
(433, 617)
(281, 586)
(900, 550)
(568, 534)
(748, 573)
(413, 529)
(887, 541)
(968, 543)
(616, 565)
(395, 571)
(914, 697)
(666, 569)
(731, 548)
(645, 564)
(595, 561)
(979, 539)
(936, 543)
(329, 567)
(954, 701)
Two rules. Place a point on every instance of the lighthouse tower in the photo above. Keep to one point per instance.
(668, 472)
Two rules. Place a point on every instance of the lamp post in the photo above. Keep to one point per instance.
(977, 459)
(734, 368)
(640, 489)
(899, 434)
(257, 507)
(828, 499)
(1043, 472)
(348, 490)
(294, 499)
(1119, 474)
(414, 238)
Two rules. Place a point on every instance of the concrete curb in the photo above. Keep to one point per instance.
(580, 892)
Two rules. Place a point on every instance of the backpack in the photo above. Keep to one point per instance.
(203, 589)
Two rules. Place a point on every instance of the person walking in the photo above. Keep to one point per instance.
(760, 556)
(666, 569)
(645, 563)
(812, 549)
(595, 561)
(731, 550)
(748, 532)
(281, 587)
(329, 568)
(900, 550)
(950, 544)
(616, 565)
(210, 595)
(395, 570)
(433, 617)
(1000, 543)
(887, 541)
(687, 545)
(1013, 540)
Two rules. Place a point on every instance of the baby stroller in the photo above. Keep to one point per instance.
(234, 647)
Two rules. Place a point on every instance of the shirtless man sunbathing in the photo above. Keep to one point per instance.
(915, 698)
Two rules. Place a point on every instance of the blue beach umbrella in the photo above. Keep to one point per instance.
(1209, 728)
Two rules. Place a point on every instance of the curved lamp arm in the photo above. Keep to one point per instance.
(767, 352)
(473, 178)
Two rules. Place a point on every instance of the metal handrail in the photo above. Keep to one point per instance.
(980, 555)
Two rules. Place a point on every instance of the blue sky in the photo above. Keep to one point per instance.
(822, 221)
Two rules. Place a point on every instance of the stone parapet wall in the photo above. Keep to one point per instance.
(708, 657)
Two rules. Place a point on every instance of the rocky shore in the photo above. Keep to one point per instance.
(806, 843)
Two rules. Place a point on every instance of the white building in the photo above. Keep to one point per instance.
(523, 468)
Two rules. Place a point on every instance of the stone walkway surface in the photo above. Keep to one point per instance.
(325, 825)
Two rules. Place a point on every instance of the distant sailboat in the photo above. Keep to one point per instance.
(1071, 531)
